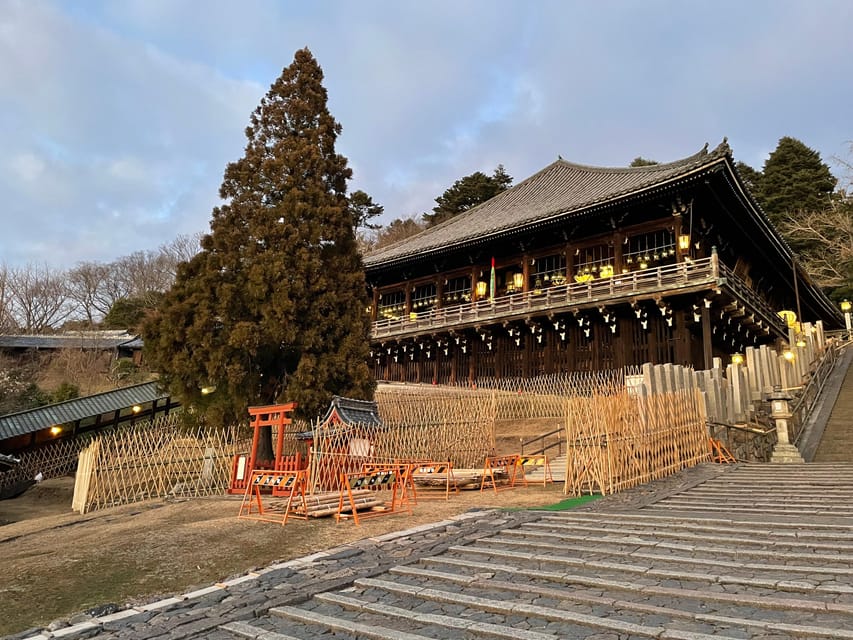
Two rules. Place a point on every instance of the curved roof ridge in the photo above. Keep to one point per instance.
(559, 188)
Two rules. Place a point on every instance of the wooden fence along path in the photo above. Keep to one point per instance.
(153, 460)
(52, 460)
(619, 441)
(455, 427)
(734, 398)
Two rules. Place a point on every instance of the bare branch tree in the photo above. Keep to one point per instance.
(181, 249)
(88, 286)
(39, 296)
(7, 322)
(832, 231)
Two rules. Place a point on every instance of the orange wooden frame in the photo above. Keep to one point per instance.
(430, 469)
(379, 478)
(507, 466)
(286, 483)
(537, 461)
(719, 452)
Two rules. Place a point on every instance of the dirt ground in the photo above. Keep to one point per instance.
(54, 563)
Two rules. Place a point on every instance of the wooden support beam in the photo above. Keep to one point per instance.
(707, 349)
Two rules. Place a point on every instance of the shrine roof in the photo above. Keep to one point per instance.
(351, 411)
(562, 189)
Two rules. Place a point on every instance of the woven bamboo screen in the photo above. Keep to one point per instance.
(446, 425)
(152, 460)
(52, 460)
(621, 440)
(545, 396)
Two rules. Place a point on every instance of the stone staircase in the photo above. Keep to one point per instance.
(558, 471)
(757, 551)
(836, 443)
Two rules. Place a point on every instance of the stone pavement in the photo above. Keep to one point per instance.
(741, 551)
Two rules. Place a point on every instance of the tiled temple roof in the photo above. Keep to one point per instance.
(559, 190)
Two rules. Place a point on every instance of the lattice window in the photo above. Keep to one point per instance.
(653, 249)
(423, 298)
(392, 305)
(549, 271)
(593, 262)
(457, 291)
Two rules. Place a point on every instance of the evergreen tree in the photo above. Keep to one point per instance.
(467, 193)
(640, 161)
(751, 177)
(272, 308)
(794, 179)
(364, 210)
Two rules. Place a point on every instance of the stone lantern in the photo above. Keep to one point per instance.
(780, 413)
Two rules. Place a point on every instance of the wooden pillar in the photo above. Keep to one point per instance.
(707, 350)
(570, 264)
(473, 346)
(408, 299)
(525, 269)
(439, 292)
(375, 308)
(679, 256)
(454, 363)
(653, 319)
(617, 253)
(475, 277)
(682, 338)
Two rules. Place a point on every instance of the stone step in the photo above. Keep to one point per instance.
(840, 541)
(694, 506)
(252, 632)
(772, 577)
(698, 605)
(773, 551)
(759, 502)
(718, 556)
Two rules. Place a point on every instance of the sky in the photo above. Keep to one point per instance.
(117, 118)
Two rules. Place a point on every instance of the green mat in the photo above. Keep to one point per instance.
(563, 505)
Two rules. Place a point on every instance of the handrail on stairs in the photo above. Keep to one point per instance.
(543, 448)
(811, 391)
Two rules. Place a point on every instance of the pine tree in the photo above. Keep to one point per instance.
(272, 308)
(794, 179)
(467, 193)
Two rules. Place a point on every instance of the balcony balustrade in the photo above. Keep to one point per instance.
(697, 275)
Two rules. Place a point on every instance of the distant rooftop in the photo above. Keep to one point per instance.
(96, 340)
(24, 422)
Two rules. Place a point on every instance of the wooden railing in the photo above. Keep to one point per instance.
(698, 274)
(556, 437)
(685, 275)
(810, 393)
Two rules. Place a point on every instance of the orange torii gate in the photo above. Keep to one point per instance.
(275, 416)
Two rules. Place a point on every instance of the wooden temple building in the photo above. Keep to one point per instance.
(582, 268)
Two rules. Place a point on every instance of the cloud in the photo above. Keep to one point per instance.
(119, 118)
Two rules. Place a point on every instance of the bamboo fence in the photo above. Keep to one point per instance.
(52, 460)
(455, 426)
(154, 460)
(620, 440)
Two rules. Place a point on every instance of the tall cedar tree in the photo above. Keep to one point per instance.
(466, 193)
(272, 308)
(794, 179)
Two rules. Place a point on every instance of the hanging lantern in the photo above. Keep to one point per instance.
(481, 289)
(518, 280)
(684, 242)
(737, 358)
